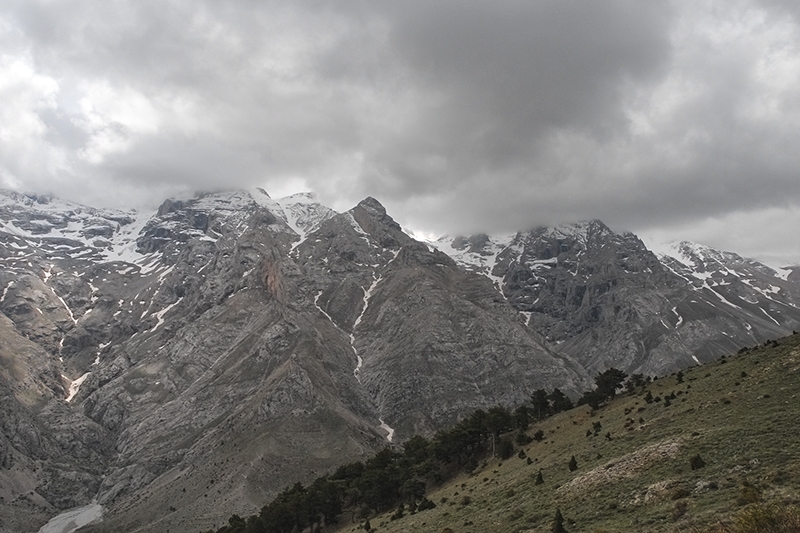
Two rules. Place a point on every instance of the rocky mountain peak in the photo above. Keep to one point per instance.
(371, 216)
(477, 244)
(581, 230)
(371, 204)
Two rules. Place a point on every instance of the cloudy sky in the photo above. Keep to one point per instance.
(673, 119)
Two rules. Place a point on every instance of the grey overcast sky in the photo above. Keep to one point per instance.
(673, 119)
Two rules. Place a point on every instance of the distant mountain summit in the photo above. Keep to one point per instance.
(606, 300)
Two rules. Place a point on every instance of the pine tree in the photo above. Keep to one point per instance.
(573, 464)
(558, 523)
(559, 401)
(609, 381)
(539, 479)
(540, 403)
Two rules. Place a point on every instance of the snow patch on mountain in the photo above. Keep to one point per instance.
(389, 431)
(701, 260)
(5, 290)
(74, 519)
(160, 314)
(75, 386)
(357, 227)
(477, 254)
(578, 231)
(304, 214)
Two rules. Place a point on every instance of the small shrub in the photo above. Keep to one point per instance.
(538, 436)
(748, 494)
(679, 510)
(558, 523)
(573, 464)
(779, 477)
(648, 397)
(769, 519)
(425, 504)
(399, 513)
(696, 462)
(680, 493)
(466, 500)
(529, 461)
(522, 454)
(523, 438)
(539, 479)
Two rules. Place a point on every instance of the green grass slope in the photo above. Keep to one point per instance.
(740, 415)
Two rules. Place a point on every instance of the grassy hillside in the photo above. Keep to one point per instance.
(740, 415)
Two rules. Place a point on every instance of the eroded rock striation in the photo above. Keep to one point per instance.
(196, 361)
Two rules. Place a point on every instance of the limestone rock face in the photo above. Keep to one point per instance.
(606, 300)
(204, 357)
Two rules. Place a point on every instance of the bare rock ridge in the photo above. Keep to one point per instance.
(606, 300)
(179, 366)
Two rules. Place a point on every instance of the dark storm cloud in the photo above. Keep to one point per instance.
(459, 116)
(492, 80)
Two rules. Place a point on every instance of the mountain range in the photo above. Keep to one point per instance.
(173, 367)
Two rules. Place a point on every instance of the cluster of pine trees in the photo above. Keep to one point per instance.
(394, 478)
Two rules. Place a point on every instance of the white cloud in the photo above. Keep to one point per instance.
(26, 151)
(459, 116)
(769, 234)
(113, 118)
